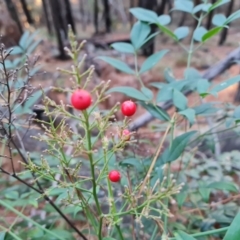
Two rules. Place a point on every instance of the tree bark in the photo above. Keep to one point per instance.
(225, 30)
(27, 12)
(12, 10)
(69, 15)
(47, 16)
(58, 25)
(96, 16)
(107, 17)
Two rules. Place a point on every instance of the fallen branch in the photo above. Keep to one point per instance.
(210, 74)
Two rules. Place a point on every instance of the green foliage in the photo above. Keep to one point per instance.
(151, 61)
(233, 232)
(118, 64)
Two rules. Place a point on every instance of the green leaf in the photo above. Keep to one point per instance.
(199, 33)
(123, 47)
(147, 92)
(117, 64)
(151, 61)
(168, 75)
(219, 20)
(109, 238)
(192, 74)
(225, 84)
(181, 32)
(133, 162)
(165, 94)
(202, 7)
(144, 15)
(63, 233)
(156, 111)
(211, 33)
(158, 85)
(233, 17)
(17, 50)
(35, 233)
(218, 4)
(130, 92)
(23, 40)
(150, 37)
(233, 232)
(236, 113)
(76, 210)
(2, 235)
(33, 202)
(178, 146)
(205, 109)
(184, 6)
(167, 31)
(202, 86)
(164, 20)
(33, 46)
(180, 235)
(205, 193)
(181, 197)
(12, 195)
(34, 98)
(8, 64)
(228, 186)
(189, 114)
(139, 33)
(179, 100)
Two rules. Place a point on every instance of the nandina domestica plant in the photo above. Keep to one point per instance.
(85, 160)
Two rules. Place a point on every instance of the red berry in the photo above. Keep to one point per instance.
(128, 108)
(81, 99)
(114, 176)
(126, 135)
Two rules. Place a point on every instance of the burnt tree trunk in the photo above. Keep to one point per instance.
(148, 48)
(47, 16)
(183, 18)
(13, 13)
(130, 15)
(27, 12)
(69, 16)
(224, 33)
(58, 25)
(210, 16)
(82, 12)
(95, 9)
(107, 17)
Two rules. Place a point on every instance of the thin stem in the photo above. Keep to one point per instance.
(168, 176)
(154, 232)
(154, 159)
(136, 70)
(90, 156)
(110, 191)
(9, 109)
